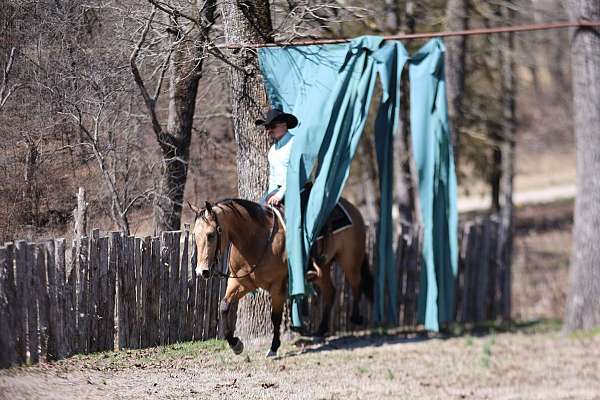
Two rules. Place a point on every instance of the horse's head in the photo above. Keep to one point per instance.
(208, 235)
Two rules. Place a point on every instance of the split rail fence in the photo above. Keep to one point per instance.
(120, 292)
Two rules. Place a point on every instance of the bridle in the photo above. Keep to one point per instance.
(217, 255)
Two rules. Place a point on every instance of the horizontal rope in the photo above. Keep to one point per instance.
(470, 32)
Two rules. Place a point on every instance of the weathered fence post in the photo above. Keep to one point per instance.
(106, 286)
(117, 259)
(8, 311)
(94, 274)
(21, 304)
(187, 320)
(114, 257)
(165, 244)
(136, 275)
(83, 318)
(200, 306)
(145, 290)
(153, 306)
(80, 215)
(31, 300)
(71, 302)
(174, 295)
(127, 300)
(61, 278)
(54, 344)
(481, 284)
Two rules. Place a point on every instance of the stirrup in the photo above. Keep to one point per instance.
(311, 275)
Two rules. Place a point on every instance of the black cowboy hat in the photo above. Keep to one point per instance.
(274, 116)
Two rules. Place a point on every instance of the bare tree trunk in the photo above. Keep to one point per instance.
(249, 21)
(507, 162)
(496, 168)
(175, 142)
(583, 305)
(457, 18)
(29, 190)
(185, 68)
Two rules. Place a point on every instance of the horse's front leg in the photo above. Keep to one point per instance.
(228, 310)
(277, 299)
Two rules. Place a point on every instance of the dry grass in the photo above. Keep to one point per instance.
(498, 366)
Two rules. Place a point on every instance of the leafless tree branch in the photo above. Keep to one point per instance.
(148, 100)
(4, 96)
(171, 11)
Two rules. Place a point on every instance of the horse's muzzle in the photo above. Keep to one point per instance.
(203, 272)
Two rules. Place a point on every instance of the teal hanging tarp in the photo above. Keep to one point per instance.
(329, 89)
(432, 151)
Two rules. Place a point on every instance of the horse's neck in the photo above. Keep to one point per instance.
(247, 235)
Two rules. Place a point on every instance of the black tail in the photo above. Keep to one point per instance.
(366, 279)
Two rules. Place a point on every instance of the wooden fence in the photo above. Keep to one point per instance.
(482, 285)
(112, 292)
(126, 292)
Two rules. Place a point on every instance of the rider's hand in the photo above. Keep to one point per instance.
(274, 200)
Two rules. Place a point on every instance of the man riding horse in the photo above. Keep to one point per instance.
(277, 123)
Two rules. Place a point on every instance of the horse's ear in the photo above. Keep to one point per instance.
(195, 209)
(208, 207)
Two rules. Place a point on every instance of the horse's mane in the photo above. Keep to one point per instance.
(256, 211)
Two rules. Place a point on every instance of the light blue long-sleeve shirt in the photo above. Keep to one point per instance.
(279, 159)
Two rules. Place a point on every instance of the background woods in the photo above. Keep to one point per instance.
(130, 98)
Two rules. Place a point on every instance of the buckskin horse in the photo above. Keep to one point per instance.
(258, 259)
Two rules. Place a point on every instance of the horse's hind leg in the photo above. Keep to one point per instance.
(328, 292)
(277, 300)
(352, 271)
(228, 310)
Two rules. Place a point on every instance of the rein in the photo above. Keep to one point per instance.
(217, 257)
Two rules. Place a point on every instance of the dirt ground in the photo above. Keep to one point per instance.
(520, 365)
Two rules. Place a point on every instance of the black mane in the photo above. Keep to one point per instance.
(256, 211)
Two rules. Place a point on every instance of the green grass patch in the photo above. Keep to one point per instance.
(590, 333)
(537, 326)
(486, 356)
(362, 370)
(148, 356)
(389, 375)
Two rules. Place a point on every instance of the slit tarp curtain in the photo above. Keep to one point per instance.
(330, 88)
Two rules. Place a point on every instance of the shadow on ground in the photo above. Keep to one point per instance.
(380, 337)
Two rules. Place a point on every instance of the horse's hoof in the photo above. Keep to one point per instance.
(238, 347)
(271, 354)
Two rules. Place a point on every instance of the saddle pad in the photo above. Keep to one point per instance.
(338, 220)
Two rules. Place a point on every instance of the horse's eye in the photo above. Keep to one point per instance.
(210, 236)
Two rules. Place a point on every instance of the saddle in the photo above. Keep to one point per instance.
(338, 220)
